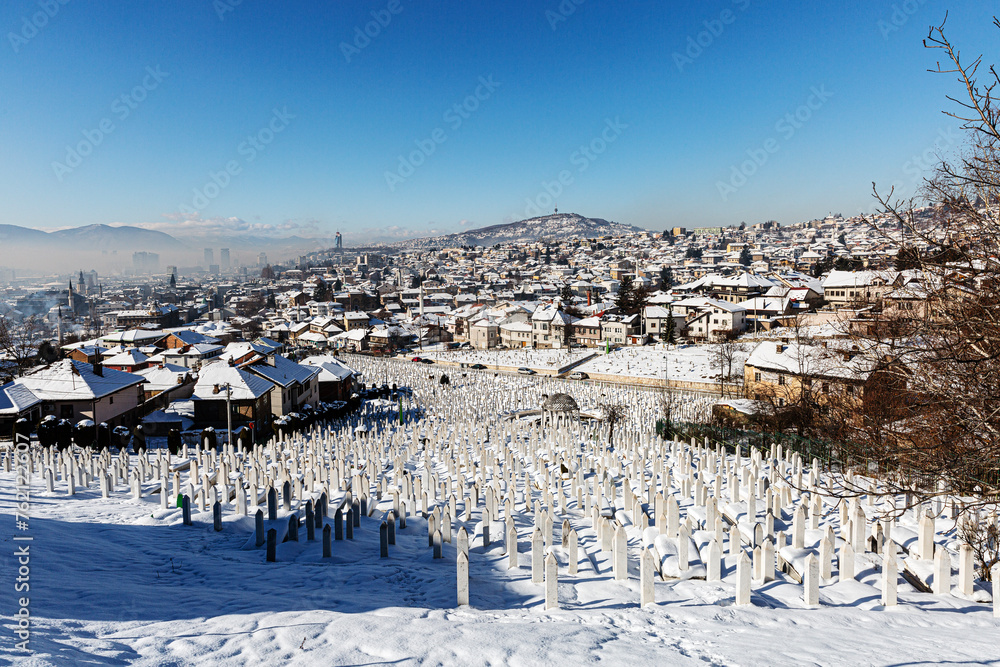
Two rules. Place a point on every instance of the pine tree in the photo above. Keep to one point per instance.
(624, 299)
(640, 295)
(666, 277)
(745, 258)
(670, 335)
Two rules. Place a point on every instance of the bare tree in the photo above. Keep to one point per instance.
(931, 426)
(984, 538)
(614, 414)
(725, 355)
(19, 342)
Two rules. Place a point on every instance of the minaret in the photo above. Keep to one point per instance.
(70, 297)
(420, 331)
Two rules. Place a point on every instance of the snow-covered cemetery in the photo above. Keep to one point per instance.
(475, 517)
(358, 387)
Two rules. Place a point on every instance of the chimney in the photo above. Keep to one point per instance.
(98, 369)
(779, 348)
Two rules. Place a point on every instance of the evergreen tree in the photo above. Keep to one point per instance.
(745, 258)
(640, 295)
(669, 335)
(666, 276)
(624, 298)
(907, 258)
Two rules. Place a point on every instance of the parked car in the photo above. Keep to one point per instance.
(418, 359)
(524, 370)
(578, 375)
(478, 367)
(425, 360)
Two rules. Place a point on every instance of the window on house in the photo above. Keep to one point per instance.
(756, 377)
(781, 379)
(66, 411)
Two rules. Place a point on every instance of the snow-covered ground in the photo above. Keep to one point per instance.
(695, 363)
(538, 360)
(121, 581)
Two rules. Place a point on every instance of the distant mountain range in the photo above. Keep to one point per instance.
(89, 238)
(557, 227)
(110, 248)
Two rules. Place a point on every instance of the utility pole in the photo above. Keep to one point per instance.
(229, 413)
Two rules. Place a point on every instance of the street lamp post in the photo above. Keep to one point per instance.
(229, 413)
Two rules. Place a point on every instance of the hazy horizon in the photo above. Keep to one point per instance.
(386, 121)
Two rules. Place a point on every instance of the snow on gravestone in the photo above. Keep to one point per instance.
(537, 556)
(942, 572)
(798, 528)
(714, 564)
(683, 548)
(996, 590)
(620, 554)
(551, 582)
(573, 552)
(966, 571)
(462, 542)
(646, 566)
(825, 558)
(925, 536)
(810, 581)
(889, 575)
(462, 572)
(743, 579)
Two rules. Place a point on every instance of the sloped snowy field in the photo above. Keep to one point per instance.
(112, 585)
(119, 581)
(693, 363)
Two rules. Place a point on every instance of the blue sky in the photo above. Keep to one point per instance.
(255, 116)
